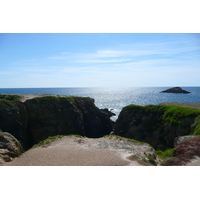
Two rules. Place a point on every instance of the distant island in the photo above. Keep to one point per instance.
(175, 90)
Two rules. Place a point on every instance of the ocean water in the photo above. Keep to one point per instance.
(116, 98)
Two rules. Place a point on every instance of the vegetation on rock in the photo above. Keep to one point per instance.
(45, 116)
(10, 97)
(157, 125)
(48, 140)
(53, 138)
(197, 126)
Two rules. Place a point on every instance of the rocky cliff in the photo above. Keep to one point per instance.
(157, 125)
(14, 120)
(38, 118)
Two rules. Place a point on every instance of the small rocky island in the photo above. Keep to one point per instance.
(176, 90)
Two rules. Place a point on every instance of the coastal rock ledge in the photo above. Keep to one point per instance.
(176, 90)
(157, 125)
(33, 118)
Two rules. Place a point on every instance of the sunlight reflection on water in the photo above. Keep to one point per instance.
(116, 98)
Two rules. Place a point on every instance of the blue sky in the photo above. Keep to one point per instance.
(99, 60)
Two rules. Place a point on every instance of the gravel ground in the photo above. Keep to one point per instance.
(74, 151)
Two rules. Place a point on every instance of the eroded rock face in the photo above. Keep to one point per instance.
(50, 116)
(175, 90)
(185, 152)
(37, 118)
(14, 119)
(157, 125)
(10, 147)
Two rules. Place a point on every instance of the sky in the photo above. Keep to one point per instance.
(29, 60)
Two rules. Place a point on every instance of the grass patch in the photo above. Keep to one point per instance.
(60, 99)
(176, 114)
(135, 141)
(7, 101)
(52, 138)
(197, 129)
(165, 154)
(173, 114)
(48, 140)
(9, 97)
(133, 106)
(5, 104)
(150, 159)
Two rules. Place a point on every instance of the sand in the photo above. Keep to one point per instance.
(73, 151)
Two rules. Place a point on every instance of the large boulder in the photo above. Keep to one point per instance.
(10, 147)
(157, 125)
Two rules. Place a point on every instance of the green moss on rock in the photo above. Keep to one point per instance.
(157, 125)
(197, 126)
(10, 97)
(48, 140)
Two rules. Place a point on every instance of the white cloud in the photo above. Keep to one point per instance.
(126, 53)
(103, 60)
(127, 65)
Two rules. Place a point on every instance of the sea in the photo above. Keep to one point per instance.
(116, 98)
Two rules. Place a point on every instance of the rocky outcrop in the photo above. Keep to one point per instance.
(14, 119)
(175, 90)
(157, 125)
(50, 116)
(185, 152)
(38, 118)
(10, 147)
(181, 139)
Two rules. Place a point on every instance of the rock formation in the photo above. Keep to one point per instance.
(10, 147)
(175, 90)
(157, 125)
(186, 152)
(14, 119)
(33, 119)
(40, 117)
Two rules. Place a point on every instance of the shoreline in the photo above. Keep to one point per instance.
(187, 104)
(24, 97)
